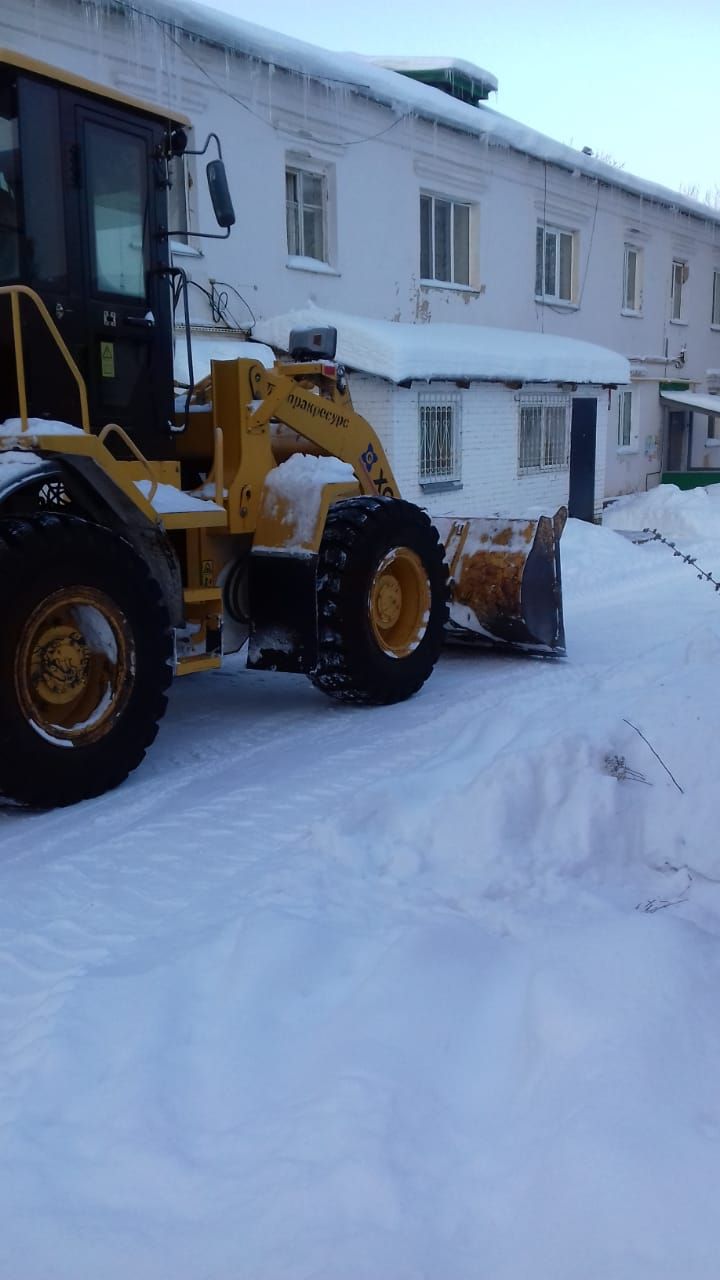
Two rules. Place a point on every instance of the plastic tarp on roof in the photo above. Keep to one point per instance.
(423, 352)
(690, 400)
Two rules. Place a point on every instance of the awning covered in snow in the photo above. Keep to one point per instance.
(690, 400)
(423, 352)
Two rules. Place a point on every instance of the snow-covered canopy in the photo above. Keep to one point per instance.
(402, 352)
(209, 346)
(477, 80)
(405, 96)
(691, 400)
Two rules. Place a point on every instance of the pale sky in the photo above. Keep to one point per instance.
(633, 79)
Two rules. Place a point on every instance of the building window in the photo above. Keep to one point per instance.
(444, 240)
(680, 272)
(554, 252)
(543, 437)
(305, 195)
(716, 299)
(624, 432)
(632, 282)
(178, 198)
(711, 435)
(440, 439)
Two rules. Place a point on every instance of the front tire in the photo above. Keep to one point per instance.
(85, 659)
(382, 601)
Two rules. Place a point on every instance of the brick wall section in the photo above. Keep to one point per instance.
(490, 480)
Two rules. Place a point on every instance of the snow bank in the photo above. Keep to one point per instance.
(399, 351)
(670, 510)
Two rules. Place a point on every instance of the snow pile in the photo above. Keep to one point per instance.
(399, 351)
(167, 500)
(427, 991)
(38, 427)
(293, 491)
(694, 513)
(207, 347)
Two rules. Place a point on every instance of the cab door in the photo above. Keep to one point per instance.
(91, 206)
(125, 295)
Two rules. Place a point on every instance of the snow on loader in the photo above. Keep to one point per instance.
(142, 535)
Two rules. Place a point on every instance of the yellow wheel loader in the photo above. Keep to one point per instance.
(145, 533)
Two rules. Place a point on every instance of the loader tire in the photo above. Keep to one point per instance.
(85, 654)
(382, 601)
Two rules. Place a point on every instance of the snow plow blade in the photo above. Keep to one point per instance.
(505, 586)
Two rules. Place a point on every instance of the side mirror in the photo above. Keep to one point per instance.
(220, 193)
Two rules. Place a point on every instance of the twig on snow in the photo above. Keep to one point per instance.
(657, 757)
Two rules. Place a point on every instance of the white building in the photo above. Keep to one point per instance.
(367, 192)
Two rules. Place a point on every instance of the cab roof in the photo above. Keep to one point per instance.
(9, 57)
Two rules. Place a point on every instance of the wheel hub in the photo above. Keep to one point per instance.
(59, 665)
(74, 665)
(400, 599)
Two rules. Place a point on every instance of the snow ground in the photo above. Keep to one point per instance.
(422, 993)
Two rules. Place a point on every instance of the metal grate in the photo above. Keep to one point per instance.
(439, 437)
(543, 434)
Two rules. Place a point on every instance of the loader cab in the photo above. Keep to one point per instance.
(83, 221)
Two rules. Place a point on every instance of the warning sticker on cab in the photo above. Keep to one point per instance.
(107, 359)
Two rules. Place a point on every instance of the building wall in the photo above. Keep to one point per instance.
(490, 425)
(268, 118)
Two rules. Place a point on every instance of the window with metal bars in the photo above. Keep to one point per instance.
(543, 433)
(440, 444)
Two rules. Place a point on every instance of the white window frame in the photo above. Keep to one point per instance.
(715, 313)
(429, 254)
(632, 300)
(678, 280)
(544, 235)
(550, 450)
(294, 209)
(180, 181)
(440, 440)
(624, 420)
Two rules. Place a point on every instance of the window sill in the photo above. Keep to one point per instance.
(627, 448)
(450, 285)
(631, 315)
(715, 328)
(296, 263)
(179, 249)
(683, 324)
(560, 303)
(440, 486)
(712, 444)
(543, 471)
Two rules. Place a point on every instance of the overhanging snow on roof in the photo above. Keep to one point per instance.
(403, 95)
(690, 400)
(439, 352)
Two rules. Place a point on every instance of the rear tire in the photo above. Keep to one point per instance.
(382, 601)
(85, 659)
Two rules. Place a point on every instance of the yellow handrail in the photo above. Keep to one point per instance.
(113, 428)
(14, 292)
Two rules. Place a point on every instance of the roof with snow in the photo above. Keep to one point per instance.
(463, 80)
(423, 352)
(403, 95)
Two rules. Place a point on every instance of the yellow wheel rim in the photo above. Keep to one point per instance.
(399, 602)
(74, 666)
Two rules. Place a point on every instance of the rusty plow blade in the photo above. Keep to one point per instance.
(505, 586)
